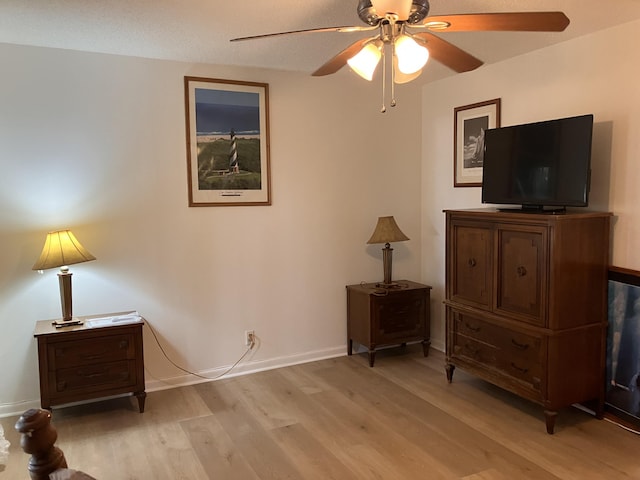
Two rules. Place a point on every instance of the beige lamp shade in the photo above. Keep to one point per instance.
(387, 231)
(61, 248)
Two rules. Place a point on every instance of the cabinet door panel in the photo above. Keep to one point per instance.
(521, 274)
(399, 316)
(471, 265)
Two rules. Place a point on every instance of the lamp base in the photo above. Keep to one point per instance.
(389, 285)
(66, 323)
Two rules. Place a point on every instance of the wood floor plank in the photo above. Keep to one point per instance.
(337, 419)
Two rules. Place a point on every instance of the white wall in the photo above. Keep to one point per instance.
(593, 74)
(96, 143)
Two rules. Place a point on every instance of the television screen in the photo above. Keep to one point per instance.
(540, 164)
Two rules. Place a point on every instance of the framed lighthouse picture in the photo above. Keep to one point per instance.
(227, 125)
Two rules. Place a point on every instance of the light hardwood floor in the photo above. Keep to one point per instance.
(337, 419)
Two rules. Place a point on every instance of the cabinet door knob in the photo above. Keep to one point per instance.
(471, 262)
(521, 271)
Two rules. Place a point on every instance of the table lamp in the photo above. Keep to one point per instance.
(61, 249)
(387, 231)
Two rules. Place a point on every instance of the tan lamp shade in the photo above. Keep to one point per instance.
(387, 231)
(61, 248)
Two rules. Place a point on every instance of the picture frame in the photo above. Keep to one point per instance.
(227, 128)
(469, 124)
(622, 394)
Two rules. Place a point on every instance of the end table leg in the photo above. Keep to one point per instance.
(449, 369)
(372, 357)
(349, 346)
(425, 347)
(141, 396)
(550, 419)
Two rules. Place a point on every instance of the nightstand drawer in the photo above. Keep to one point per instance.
(93, 377)
(109, 348)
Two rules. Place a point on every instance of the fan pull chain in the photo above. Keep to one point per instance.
(393, 75)
(384, 76)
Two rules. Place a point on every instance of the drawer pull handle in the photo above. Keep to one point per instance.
(472, 328)
(521, 346)
(471, 262)
(522, 271)
(124, 344)
(520, 369)
(96, 356)
(81, 373)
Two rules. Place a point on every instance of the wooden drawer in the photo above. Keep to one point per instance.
(93, 378)
(109, 348)
(514, 353)
(476, 351)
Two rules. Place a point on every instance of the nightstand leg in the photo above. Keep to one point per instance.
(550, 418)
(449, 369)
(372, 357)
(141, 396)
(349, 347)
(425, 347)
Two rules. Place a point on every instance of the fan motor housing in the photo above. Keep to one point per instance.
(369, 15)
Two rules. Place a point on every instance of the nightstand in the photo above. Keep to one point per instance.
(89, 361)
(378, 316)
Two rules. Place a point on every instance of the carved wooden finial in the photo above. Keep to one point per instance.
(38, 438)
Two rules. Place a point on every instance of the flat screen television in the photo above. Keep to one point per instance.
(539, 166)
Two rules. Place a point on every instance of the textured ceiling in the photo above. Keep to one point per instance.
(200, 30)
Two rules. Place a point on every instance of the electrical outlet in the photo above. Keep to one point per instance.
(248, 337)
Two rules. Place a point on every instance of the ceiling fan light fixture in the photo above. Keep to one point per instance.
(365, 62)
(411, 56)
(401, 78)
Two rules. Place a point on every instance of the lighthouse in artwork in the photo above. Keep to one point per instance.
(233, 154)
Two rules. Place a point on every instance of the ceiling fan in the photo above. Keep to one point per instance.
(404, 27)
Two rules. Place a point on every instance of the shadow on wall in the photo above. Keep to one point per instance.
(601, 166)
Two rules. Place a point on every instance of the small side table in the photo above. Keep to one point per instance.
(378, 316)
(83, 362)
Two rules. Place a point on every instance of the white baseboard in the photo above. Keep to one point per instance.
(244, 368)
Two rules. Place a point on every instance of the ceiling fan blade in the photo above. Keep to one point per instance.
(516, 21)
(340, 60)
(448, 54)
(309, 30)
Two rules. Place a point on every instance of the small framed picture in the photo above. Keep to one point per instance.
(469, 124)
(227, 124)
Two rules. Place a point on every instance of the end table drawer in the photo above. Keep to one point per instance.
(93, 377)
(109, 348)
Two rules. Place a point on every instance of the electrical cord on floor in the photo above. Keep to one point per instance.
(253, 340)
